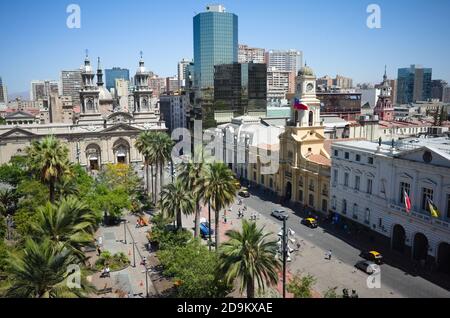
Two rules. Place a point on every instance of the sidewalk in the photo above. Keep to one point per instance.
(130, 281)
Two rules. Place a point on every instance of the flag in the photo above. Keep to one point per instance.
(433, 209)
(299, 105)
(407, 202)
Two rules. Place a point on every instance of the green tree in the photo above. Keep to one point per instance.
(301, 286)
(48, 159)
(69, 223)
(8, 201)
(110, 203)
(161, 151)
(194, 270)
(143, 144)
(192, 175)
(176, 201)
(39, 270)
(331, 293)
(14, 171)
(250, 257)
(220, 191)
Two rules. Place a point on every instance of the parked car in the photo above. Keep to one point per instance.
(244, 193)
(204, 230)
(373, 256)
(367, 267)
(310, 222)
(280, 214)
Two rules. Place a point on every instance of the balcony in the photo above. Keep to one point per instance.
(401, 211)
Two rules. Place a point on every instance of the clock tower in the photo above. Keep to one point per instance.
(305, 106)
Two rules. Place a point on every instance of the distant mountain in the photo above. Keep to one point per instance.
(21, 95)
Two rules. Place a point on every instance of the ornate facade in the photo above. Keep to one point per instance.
(103, 133)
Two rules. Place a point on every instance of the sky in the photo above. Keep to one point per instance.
(36, 43)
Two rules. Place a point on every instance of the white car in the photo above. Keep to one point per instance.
(367, 267)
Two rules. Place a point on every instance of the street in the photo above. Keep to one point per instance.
(401, 283)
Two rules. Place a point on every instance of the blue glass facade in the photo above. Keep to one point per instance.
(215, 42)
(115, 73)
(414, 84)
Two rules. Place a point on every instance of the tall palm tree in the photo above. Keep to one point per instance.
(220, 191)
(161, 151)
(49, 160)
(40, 270)
(192, 175)
(69, 223)
(249, 257)
(175, 201)
(143, 145)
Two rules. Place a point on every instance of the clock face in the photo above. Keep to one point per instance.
(309, 87)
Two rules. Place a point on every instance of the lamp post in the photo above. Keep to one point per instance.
(284, 251)
(125, 231)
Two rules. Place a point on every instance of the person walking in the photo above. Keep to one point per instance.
(329, 255)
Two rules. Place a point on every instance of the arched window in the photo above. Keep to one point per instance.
(90, 104)
(367, 216)
(311, 200)
(311, 118)
(333, 202)
(344, 206)
(355, 211)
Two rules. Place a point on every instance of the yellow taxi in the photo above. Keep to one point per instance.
(310, 222)
(373, 256)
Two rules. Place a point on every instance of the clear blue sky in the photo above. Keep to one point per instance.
(36, 44)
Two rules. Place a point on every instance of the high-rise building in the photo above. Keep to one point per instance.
(71, 85)
(183, 72)
(173, 108)
(3, 94)
(41, 90)
(248, 54)
(157, 85)
(290, 60)
(115, 73)
(437, 89)
(279, 84)
(446, 94)
(413, 84)
(215, 43)
(393, 83)
(172, 84)
(343, 82)
(239, 89)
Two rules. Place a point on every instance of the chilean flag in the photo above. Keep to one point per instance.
(299, 106)
(407, 202)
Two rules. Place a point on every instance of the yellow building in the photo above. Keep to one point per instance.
(304, 164)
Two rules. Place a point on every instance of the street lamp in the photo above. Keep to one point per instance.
(285, 250)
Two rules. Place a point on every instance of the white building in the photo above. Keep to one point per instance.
(173, 109)
(183, 72)
(248, 54)
(279, 83)
(367, 190)
(43, 89)
(290, 60)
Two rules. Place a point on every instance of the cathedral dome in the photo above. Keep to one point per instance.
(306, 70)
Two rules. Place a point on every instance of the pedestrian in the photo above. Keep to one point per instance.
(99, 251)
(329, 255)
(100, 241)
(137, 224)
(144, 261)
(225, 219)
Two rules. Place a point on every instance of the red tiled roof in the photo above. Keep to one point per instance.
(319, 159)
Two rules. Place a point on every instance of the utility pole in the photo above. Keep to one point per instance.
(209, 224)
(125, 231)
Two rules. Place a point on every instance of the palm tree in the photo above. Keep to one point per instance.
(69, 223)
(40, 270)
(8, 199)
(220, 191)
(49, 159)
(175, 201)
(161, 152)
(192, 175)
(249, 257)
(143, 144)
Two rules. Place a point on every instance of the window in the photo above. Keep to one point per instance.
(262, 179)
(336, 153)
(300, 195)
(324, 205)
(448, 206)
(271, 183)
(355, 211)
(369, 186)
(346, 179)
(357, 182)
(370, 161)
(254, 176)
(300, 181)
(325, 190)
(367, 216)
(333, 202)
(347, 155)
(311, 185)
(311, 200)
(404, 187)
(335, 176)
(344, 206)
(358, 157)
(309, 149)
(426, 193)
(380, 222)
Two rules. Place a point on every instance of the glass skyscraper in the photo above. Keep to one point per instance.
(115, 73)
(414, 84)
(215, 42)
